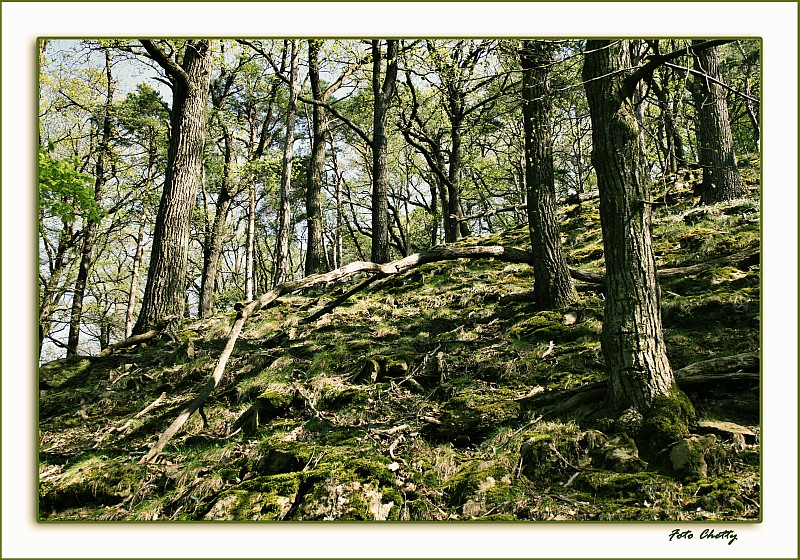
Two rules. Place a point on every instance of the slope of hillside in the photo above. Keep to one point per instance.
(424, 397)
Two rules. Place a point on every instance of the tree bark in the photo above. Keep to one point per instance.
(90, 227)
(165, 291)
(284, 211)
(721, 180)
(552, 285)
(316, 166)
(632, 338)
(383, 92)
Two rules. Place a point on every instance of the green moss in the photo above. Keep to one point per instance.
(723, 494)
(94, 480)
(666, 422)
(618, 486)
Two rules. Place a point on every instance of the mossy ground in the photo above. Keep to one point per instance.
(404, 403)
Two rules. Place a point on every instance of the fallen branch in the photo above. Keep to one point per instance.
(340, 300)
(127, 424)
(744, 362)
(138, 338)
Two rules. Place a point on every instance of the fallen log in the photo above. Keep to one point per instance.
(138, 338)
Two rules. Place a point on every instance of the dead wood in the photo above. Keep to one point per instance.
(138, 338)
(744, 362)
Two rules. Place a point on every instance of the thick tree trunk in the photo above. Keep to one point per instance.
(90, 227)
(316, 166)
(721, 180)
(165, 291)
(552, 281)
(215, 237)
(284, 211)
(383, 92)
(632, 338)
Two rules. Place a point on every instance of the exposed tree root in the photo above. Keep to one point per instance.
(697, 377)
(437, 254)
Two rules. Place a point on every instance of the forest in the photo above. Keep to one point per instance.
(399, 279)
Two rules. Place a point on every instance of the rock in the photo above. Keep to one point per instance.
(688, 456)
(727, 430)
(619, 454)
(630, 422)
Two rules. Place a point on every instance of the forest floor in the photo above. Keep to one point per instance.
(416, 398)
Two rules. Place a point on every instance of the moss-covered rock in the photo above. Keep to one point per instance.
(262, 498)
(688, 456)
(479, 487)
(618, 454)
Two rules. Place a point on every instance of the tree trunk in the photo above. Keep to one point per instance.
(454, 210)
(316, 166)
(90, 227)
(249, 279)
(137, 263)
(284, 211)
(721, 180)
(383, 93)
(552, 282)
(673, 153)
(214, 239)
(165, 291)
(137, 257)
(632, 338)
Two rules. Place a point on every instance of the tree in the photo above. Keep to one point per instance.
(90, 229)
(382, 90)
(721, 180)
(552, 282)
(165, 291)
(284, 211)
(632, 340)
(212, 246)
(316, 164)
(144, 117)
(315, 252)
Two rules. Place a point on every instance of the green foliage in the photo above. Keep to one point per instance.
(64, 191)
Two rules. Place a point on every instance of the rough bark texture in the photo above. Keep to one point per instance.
(383, 92)
(632, 338)
(165, 291)
(721, 180)
(284, 212)
(314, 254)
(552, 282)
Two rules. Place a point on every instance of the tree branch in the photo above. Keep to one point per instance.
(645, 72)
(175, 72)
